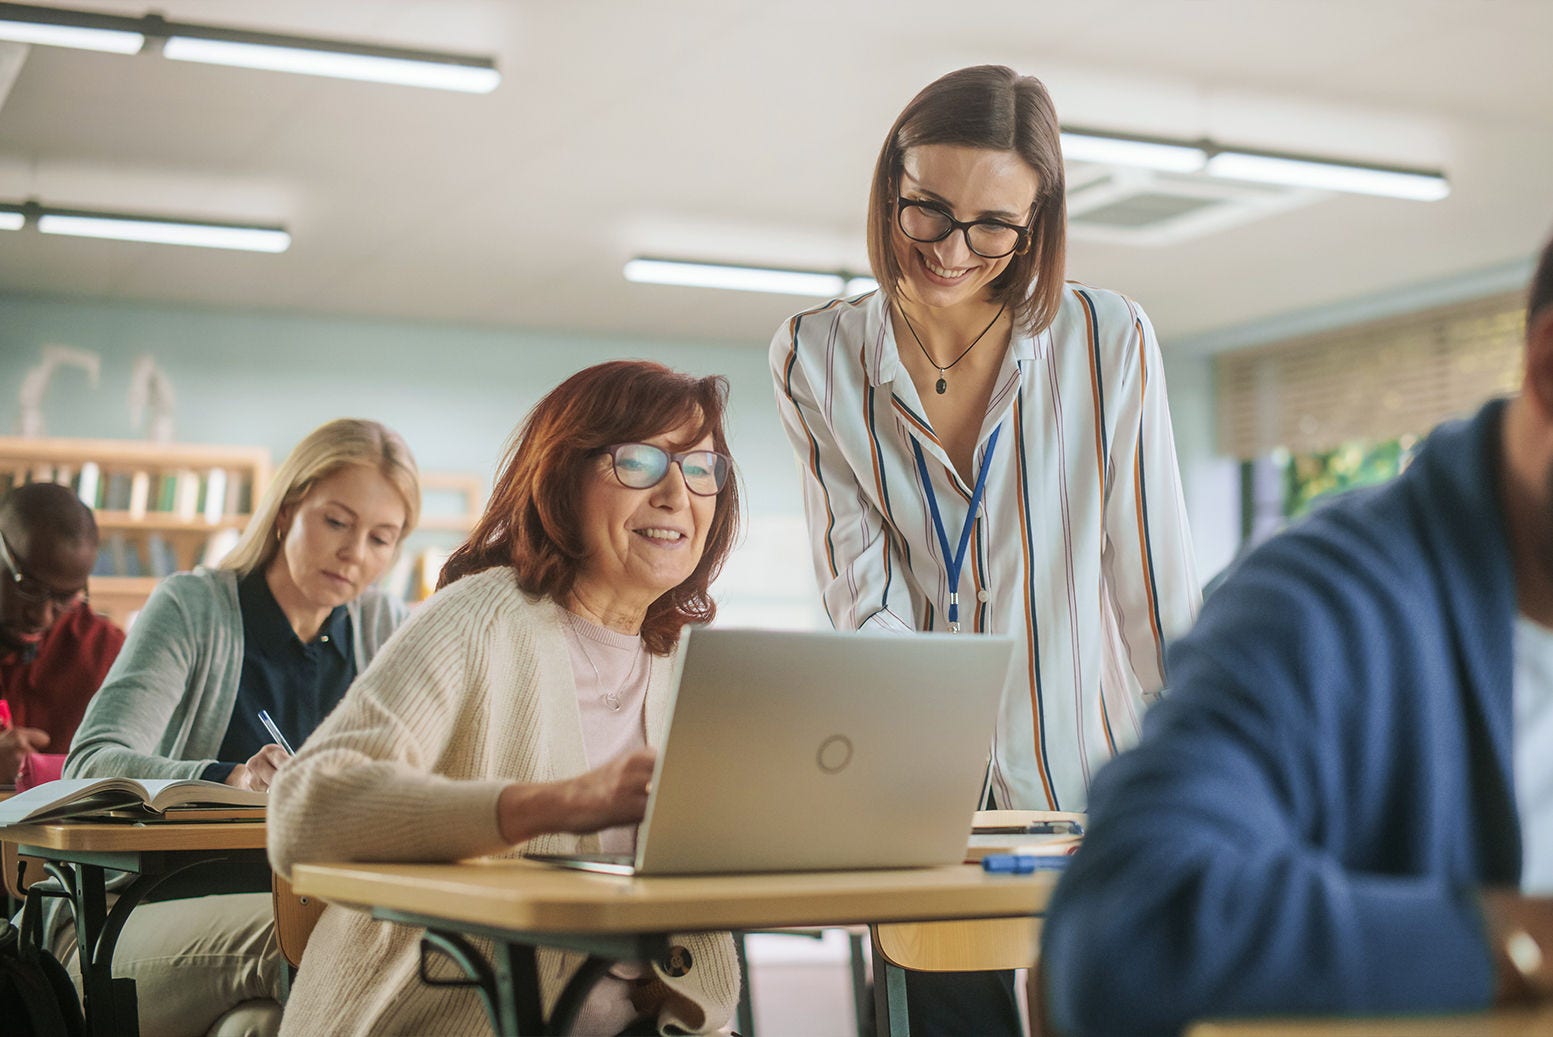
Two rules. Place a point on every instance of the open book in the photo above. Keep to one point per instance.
(75, 797)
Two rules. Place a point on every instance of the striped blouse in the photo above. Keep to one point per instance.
(1080, 548)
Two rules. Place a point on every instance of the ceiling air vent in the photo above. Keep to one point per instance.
(1139, 207)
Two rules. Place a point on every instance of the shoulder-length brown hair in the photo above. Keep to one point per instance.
(994, 107)
(533, 521)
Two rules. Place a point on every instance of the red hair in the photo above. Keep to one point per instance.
(533, 521)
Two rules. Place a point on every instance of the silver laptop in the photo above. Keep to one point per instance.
(803, 751)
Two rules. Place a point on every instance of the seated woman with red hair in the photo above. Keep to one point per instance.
(517, 708)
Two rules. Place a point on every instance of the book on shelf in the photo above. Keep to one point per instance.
(139, 494)
(120, 797)
(88, 484)
(213, 495)
(187, 495)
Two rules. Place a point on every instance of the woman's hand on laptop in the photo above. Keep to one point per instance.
(614, 794)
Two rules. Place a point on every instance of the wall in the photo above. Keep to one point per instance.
(455, 393)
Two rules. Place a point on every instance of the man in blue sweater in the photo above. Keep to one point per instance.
(1345, 805)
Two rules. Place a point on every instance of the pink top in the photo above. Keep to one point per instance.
(611, 672)
(610, 669)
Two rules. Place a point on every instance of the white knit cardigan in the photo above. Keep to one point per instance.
(475, 691)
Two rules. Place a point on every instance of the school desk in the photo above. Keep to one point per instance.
(520, 905)
(81, 853)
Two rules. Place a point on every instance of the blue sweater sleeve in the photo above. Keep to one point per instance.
(1285, 839)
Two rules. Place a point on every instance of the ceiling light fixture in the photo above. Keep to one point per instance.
(1415, 184)
(1145, 153)
(1233, 163)
(817, 284)
(157, 230)
(56, 27)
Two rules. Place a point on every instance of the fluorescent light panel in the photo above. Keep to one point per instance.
(371, 68)
(1123, 151)
(211, 44)
(814, 284)
(1229, 163)
(1328, 176)
(152, 229)
(80, 37)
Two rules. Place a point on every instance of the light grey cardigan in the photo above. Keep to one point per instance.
(164, 708)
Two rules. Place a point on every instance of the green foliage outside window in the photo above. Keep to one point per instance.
(1311, 477)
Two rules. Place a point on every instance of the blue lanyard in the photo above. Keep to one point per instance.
(954, 562)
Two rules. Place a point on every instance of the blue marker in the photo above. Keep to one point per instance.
(1021, 863)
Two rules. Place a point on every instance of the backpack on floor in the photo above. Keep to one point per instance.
(37, 998)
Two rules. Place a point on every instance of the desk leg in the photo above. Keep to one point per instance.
(510, 989)
(111, 1009)
(517, 989)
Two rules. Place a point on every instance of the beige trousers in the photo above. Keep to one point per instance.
(203, 967)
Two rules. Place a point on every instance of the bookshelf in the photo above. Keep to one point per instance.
(160, 507)
(451, 503)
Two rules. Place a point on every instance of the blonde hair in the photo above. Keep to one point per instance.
(327, 449)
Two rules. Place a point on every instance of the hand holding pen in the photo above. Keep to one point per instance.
(259, 772)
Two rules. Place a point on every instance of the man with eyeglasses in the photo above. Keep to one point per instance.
(54, 650)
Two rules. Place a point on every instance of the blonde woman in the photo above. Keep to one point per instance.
(284, 625)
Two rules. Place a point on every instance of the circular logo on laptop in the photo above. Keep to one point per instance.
(835, 753)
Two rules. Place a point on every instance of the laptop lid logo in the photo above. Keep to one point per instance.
(835, 753)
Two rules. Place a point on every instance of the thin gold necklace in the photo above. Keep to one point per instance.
(942, 385)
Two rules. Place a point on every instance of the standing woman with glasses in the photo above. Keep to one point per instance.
(987, 449)
(54, 650)
(516, 709)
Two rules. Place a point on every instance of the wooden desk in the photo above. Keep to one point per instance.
(81, 853)
(1519, 1022)
(520, 905)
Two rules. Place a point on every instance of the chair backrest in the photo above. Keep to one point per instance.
(975, 945)
(295, 916)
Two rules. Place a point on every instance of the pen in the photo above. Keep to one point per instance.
(1031, 828)
(280, 739)
(1021, 863)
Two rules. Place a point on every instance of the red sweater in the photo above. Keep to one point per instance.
(52, 689)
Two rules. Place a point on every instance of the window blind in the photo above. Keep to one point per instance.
(1372, 381)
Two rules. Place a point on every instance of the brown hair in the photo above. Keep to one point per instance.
(993, 107)
(533, 521)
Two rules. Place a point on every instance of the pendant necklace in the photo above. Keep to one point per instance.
(611, 698)
(942, 385)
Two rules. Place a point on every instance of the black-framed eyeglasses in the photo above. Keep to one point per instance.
(35, 591)
(928, 222)
(642, 466)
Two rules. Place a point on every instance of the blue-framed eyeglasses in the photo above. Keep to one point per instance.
(35, 591)
(642, 466)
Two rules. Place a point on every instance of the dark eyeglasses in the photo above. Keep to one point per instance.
(34, 591)
(990, 239)
(642, 466)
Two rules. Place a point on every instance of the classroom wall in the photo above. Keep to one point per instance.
(455, 393)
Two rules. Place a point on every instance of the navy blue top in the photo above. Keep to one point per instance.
(299, 684)
(1305, 824)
